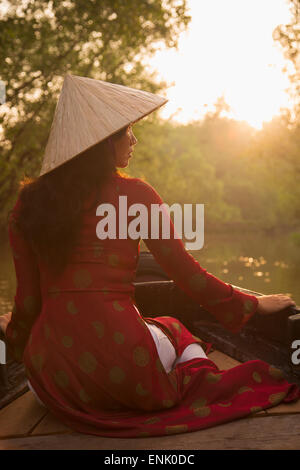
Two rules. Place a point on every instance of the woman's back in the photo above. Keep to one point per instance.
(95, 264)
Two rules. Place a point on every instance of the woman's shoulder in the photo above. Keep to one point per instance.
(132, 182)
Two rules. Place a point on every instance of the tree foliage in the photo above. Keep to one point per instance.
(289, 37)
(42, 40)
(246, 178)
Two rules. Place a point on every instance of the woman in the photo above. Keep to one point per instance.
(89, 355)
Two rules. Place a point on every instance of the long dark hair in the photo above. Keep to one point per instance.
(50, 211)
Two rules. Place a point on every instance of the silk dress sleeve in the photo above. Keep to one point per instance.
(229, 306)
(27, 300)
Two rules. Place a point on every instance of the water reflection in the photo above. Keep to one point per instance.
(265, 264)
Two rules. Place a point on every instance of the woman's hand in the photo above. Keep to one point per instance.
(4, 321)
(273, 303)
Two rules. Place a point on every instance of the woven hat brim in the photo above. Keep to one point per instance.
(89, 111)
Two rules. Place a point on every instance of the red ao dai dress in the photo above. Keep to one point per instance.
(92, 360)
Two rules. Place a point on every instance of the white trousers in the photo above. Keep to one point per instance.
(166, 352)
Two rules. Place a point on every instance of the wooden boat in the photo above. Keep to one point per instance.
(24, 424)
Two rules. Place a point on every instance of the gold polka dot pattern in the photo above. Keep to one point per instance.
(98, 250)
(141, 321)
(176, 326)
(152, 420)
(141, 356)
(248, 306)
(168, 403)
(199, 403)
(213, 378)
(72, 308)
(67, 341)
(276, 398)
(61, 378)
(173, 380)
(99, 328)
(117, 306)
(186, 379)
(256, 409)
(84, 396)
(202, 411)
(82, 278)
(256, 376)
(140, 390)
(117, 375)
(276, 373)
(87, 362)
(197, 338)
(176, 428)
(119, 338)
(245, 389)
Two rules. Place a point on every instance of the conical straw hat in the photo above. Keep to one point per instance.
(88, 111)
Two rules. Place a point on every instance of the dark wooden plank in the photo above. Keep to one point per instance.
(50, 425)
(247, 346)
(223, 361)
(271, 432)
(13, 382)
(285, 408)
(21, 416)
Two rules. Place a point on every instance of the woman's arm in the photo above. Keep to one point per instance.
(27, 301)
(230, 307)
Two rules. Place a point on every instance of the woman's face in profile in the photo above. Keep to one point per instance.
(123, 145)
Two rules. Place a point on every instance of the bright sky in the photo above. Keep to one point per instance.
(228, 51)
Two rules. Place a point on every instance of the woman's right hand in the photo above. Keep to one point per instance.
(273, 303)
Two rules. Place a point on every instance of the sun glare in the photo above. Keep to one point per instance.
(227, 51)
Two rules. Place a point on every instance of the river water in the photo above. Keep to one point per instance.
(268, 264)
